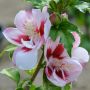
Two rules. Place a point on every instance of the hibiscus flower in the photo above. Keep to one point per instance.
(32, 30)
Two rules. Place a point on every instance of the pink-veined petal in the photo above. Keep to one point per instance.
(13, 35)
(37, 13)
(80, 54)
(50, 73)
(47, 27)
(21, 18)
(28, 44)
(25, 58)
(73, 69)
(60, 81)
(77, 39)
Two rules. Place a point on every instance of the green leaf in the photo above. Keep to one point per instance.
(10, 47)
(66, 25)
(83, 6)
(11, 55)
(53, 33)
(31, 72)
(12, 73)
(67, 39)
(68, 87)
(39, 88)
(47, 85)
(39, 3)
(19, 89)
(2, 53)
(33, 87)
(53, 5)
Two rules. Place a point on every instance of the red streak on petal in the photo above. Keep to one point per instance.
(24, 37)
(26, 49)
(42, 28)
(58, 51)
(59, 74)
(63, 75)
(49, 72)
(49, 52)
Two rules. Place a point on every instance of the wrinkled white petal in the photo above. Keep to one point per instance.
(20, 20)
(25, 60)
(80, 54)
(73, 69)
(13, 35)
(28, 44)
(60, 82)
(47, 27)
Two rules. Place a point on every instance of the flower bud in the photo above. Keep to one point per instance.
(55, 19)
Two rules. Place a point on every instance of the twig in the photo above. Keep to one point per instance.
(36, 72)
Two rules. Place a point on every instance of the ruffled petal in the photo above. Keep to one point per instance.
(28, 44)
(13, 35)
(80, 54)
(21, 18)
(77, 39)
(25, 58)
(72, 69)
(52, 77)
(37, 13)
(47, 27)
(60, 82)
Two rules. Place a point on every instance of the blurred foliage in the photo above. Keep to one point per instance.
(80, 16)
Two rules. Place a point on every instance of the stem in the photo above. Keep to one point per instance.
(36, 72)
(37, 69)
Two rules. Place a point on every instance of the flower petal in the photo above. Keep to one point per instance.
(37, 13)
(77, 40)
(20, 19)
(53, 78)
(60, 81)
(80, 54)
(47, 27)
(28, 44)
(13, 35)
(25, 58)
(72, 68)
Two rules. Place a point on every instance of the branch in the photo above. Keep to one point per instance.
(36, 72)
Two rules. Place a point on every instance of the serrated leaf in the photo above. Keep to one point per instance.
(53, 5)
(12, 73)
(53, 33)
(39, 3)
(66, 25)
(83, 6)
(67, 39)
